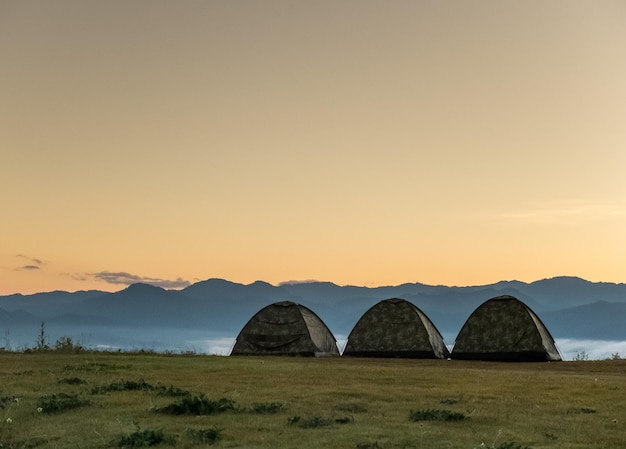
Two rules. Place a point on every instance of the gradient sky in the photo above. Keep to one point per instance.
(359, 142)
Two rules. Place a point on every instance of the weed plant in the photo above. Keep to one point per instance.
(351, 408)
(450, 401)
(7, 400)
(582, 410)
(317, 421)
(56, 403)
(140, 385)
(511, 445)
(122, 385)
(205, 436)
(144, 438)
(267, 408)
(436, 415)
(72, 381)
(310, 423)
(198, 405)
(368, 445)
(96, 367)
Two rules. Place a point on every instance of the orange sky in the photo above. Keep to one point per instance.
(356, 142)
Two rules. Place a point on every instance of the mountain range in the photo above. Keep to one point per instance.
(569, 306)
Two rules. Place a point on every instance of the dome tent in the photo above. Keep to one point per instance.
(285, 328)
(505, 329)
(395, 328)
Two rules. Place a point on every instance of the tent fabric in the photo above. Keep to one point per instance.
(505, 329)
(395, 328)
(285, 328)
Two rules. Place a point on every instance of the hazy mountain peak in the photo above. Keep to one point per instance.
(260, 284)
(142, 287)
(213, 282)
(571, 279)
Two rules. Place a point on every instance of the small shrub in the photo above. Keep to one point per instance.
(10, 441)
(293, 420)
(311, 423)
(96, 367)
(5, 400)
(144, 438)
(123, 385)
(582, 410)
(550, 436)
(350, 408)
(67, 345)
(435, 415)
(170, 391)
(55, 403)
(267, 408)
(450, 401)
(205, 436)
(72, 381)
(511, 445)
(198, 405)
(373, 445)
(344, 420)
(141, 385)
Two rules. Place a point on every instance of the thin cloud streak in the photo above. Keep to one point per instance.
(34, 260)
(124, 278)
(569, 213)
(29, 267)
(33, 264)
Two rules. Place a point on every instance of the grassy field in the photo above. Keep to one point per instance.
(99, 400)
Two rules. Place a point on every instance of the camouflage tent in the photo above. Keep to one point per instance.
(285, 328)
(395, 328)
(505, 329)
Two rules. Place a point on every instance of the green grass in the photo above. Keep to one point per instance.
(343, 403)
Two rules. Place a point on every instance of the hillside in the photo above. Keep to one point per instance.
(570, 307)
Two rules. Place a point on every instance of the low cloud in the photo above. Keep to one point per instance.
(215, 346)
(572, 349)
(124, 278)
(295, 282)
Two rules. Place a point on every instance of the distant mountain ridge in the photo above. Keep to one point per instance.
(570, 307)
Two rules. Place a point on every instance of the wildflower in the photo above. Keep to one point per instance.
(9, 420)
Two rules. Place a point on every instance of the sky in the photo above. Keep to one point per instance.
(358, 142)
